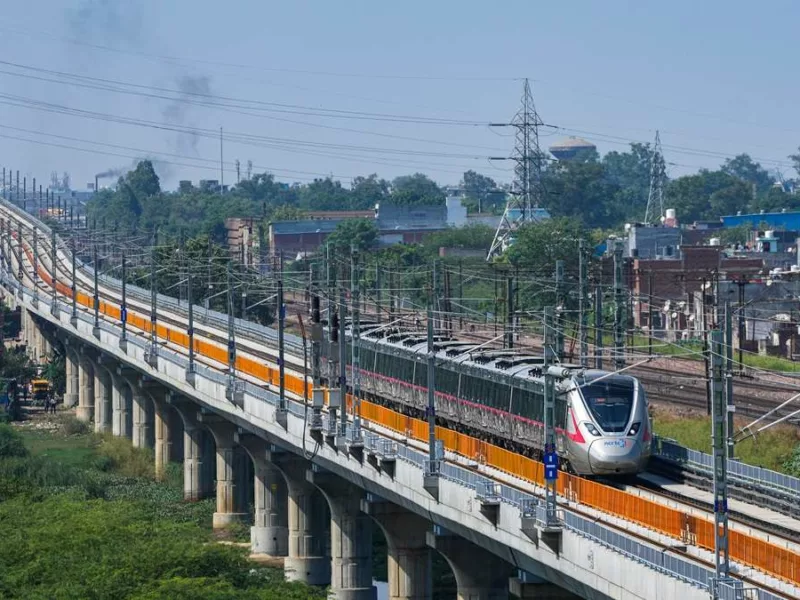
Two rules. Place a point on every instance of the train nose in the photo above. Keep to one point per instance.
(612, 456)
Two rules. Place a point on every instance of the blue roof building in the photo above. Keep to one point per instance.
(789, 221)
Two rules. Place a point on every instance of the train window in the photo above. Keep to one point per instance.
(610, 401)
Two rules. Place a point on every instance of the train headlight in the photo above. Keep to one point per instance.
(592, 429)
(634, 429)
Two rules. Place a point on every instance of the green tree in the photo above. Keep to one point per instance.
(325, 194)
(366, 192)
(476, 237)
(537, 246)
(481, 192)
(361, 233)
(580, 190)
(795, 158)
(416, 189)
(747, 170)
(629, 172)
(286, 212)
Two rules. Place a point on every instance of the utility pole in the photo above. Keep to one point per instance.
(35, 266)
(73, 319)
(619, 308)
(706, 359)
(54, 272)
(509, 312)
(342, 432)
(281, 412)
(461, 294)
(378, 302)
(432, 470)
(730, 406)
(190, 370)
(96, 293)
(152, 355)
(650, 312)
(356, 342)
(719, 435)
(583, 300)
(20, 269)
(221, 169)
(598, 327)
(123, 307)
(560, 308)
(741, 283)
(317, 393)
(231, 388)
(336, 393)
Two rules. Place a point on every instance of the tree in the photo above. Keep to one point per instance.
(691, 195)
(416, 189)
(581, 190)
(325, 194)
(287, 213)
(366, 192)
(473, 236)
(360, 233)
(481, 191)
(744, 168)
(795, 158)
(143, 180)
(629, 172)
(538, 246)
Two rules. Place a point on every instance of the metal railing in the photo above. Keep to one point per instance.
(671, 451)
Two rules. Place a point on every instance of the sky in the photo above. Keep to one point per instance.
(308, 89)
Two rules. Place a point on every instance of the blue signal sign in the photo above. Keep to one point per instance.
(550, 466)
(123, 314)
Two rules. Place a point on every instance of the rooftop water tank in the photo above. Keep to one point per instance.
(714, 242)
(670, 213)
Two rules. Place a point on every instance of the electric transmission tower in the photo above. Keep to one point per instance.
(658, 176)
(527, 191)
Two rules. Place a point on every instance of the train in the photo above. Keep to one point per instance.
(602, 418)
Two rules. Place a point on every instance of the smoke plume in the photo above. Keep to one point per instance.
(113, 22)
(191, 88)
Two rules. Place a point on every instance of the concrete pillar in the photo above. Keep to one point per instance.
(270, 531)
(163, 436)
(409, 556)
(351, 538)
(529, 587)
(102, 399)
(480, 575)
(71, 395)
(121, 424)
(195, 486)
(85, 410)
(308, 520)
(228, 510)
(141, 433)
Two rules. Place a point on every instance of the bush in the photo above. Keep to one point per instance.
(124, 459)
(792, 464)
(11, 442)
(73, 426)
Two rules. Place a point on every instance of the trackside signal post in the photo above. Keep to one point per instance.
(548, 521)
(724, 585)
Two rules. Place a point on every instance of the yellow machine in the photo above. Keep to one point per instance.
(40, 390)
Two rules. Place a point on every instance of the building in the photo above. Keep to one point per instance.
(245, 238)
(649, 242)
(409, 224)
(672, 282)
(775, 220)
(292, 238)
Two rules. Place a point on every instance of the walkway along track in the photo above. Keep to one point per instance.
(676, 524)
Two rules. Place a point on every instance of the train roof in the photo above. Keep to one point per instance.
(500, 361)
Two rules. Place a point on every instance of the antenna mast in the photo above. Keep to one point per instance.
(527, 191)
(658, 175)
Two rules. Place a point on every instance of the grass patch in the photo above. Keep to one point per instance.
(771, 449)
(80, 517)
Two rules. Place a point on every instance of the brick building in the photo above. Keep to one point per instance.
(672, 282)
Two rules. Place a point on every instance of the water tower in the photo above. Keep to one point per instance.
(569, 148)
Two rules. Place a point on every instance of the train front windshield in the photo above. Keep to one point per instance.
(610, 401)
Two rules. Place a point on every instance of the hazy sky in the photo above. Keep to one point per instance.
(716, 77)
